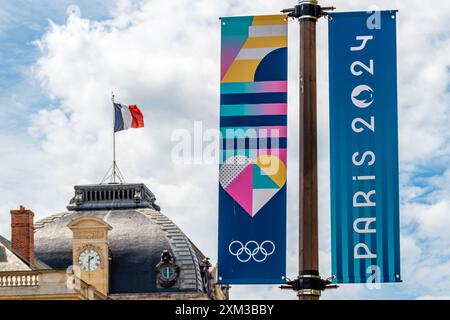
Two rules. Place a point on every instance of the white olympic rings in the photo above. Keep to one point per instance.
(251, 250)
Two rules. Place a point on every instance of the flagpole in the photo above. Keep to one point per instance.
(114, 141)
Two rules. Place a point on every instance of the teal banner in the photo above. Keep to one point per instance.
(364, 147)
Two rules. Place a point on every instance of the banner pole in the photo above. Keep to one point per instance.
(309, 284)
(308, 225)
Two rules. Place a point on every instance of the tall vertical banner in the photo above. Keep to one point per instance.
(364, 147)
(253, 124)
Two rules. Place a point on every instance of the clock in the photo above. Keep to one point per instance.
(167, 272)
(89, 260)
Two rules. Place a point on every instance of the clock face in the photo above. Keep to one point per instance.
(89, 260)
(167, 272)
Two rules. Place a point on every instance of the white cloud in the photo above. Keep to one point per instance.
(165, 59)
(434, 220)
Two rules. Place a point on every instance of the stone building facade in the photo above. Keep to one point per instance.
(112, 243)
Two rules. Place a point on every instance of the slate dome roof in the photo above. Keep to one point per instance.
(140, 234)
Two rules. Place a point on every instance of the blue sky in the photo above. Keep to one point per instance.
(57, 72)
(21, 23)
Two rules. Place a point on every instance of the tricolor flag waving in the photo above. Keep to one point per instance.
(126, 117)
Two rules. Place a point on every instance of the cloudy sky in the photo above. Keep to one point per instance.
(59, 61)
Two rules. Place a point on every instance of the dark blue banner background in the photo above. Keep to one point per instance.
(269, 224)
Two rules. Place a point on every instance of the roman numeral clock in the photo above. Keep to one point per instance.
(90, 251)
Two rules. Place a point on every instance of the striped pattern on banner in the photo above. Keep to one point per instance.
(365, 224)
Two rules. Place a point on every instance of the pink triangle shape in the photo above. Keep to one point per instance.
(241, 189)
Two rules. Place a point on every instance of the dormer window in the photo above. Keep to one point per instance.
(167, 271)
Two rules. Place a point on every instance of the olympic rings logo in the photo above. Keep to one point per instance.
(251, 250)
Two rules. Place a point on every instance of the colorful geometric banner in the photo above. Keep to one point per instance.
(364, 147)
(253, 124)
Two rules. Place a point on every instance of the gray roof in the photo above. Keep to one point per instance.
(136, 241)
(140, 232)
(4, 243)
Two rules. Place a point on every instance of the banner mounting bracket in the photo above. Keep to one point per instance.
(309, 284)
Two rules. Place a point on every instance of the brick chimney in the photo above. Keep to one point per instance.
(22, 233)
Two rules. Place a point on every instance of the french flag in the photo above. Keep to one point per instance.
(126, 117)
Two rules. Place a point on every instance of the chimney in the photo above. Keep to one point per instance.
(22, 233)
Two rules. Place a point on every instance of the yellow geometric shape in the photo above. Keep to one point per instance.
(241, 71)
(269, 20)
(266, 42)
(273, 167)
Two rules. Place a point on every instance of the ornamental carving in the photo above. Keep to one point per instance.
(89, 234)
